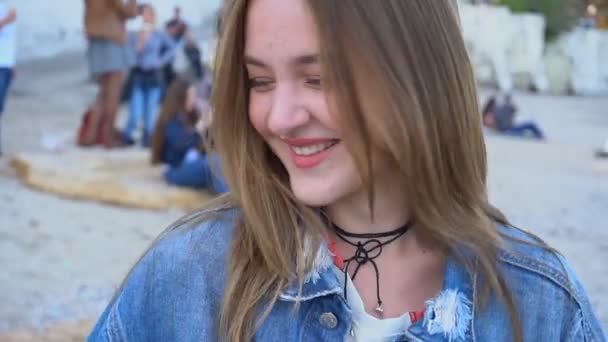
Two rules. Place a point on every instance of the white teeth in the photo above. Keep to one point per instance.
(312, 149)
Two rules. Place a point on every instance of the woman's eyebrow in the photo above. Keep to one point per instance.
(297, 61)
(306, 59)
(255, 62)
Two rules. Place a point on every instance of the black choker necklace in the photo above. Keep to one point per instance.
(367, 251)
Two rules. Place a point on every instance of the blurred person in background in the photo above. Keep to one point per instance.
(179, 144)
(109, 59)
(169, 73)
(194, 56)
(153, 48)
(602, 152)
(502, 116)
(8, 18)
(176, 28)
(133, 25)
(177, 22)
(487, 113)
(191, 63)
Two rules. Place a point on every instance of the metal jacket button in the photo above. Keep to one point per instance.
(328, 320)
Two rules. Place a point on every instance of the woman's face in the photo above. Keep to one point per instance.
(147, 14)
(288, 104)
(190, 99)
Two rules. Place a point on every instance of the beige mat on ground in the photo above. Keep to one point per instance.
(121, 177)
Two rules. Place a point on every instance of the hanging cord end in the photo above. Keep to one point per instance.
(379, 308)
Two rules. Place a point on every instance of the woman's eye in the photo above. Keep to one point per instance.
(260, 84)
(314, 82)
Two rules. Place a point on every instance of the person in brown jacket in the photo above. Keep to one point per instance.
(109, 58)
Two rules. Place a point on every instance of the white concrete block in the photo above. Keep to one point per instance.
(46, 28)
(505, 43)
(588, 50)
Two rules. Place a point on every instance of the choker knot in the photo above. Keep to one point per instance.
(367, 251)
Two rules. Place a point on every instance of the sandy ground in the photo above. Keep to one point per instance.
(61, 259)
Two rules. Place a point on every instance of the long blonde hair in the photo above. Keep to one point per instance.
(400, 79)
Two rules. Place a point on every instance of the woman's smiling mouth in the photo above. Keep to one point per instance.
(308, 153)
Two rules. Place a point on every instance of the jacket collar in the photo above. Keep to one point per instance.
(448, 316)
(321, 281)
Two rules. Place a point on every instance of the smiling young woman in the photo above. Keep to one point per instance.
(351, 141)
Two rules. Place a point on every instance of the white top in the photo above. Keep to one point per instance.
(8, 46)
(367, 328)
(135, 24)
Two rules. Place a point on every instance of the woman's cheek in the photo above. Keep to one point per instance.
(257, 115)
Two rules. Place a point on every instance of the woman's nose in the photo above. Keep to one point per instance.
(287, 111)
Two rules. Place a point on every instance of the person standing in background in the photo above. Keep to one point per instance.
(109, 58)
(190, 61)
(153, 49)
(8, 17)
(173, 30)
(180, 25)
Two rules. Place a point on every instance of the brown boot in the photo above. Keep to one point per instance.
(89, 131)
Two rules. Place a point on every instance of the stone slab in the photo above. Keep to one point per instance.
(120, 177)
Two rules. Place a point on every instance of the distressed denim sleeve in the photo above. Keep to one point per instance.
(174, 292)
(584, 331)
(108, 328)
(127, 304)
(590, 328)
(585, 325)
(125, 317)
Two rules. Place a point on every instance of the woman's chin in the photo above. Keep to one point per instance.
(316, 194)
(311, 195)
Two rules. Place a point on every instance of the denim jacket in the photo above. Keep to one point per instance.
(174, 294)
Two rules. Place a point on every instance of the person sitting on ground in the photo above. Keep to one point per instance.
(602, 153)
(177, 143)
(153, 49)
(487, 115)
(504, 121)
